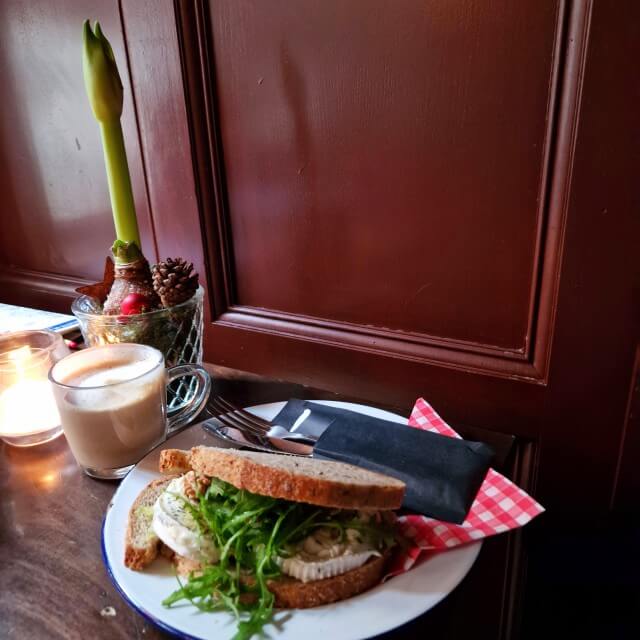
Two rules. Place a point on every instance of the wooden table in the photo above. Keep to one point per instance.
(53, 583)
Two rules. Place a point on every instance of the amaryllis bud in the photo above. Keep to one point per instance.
(101, 77)
(104, 88)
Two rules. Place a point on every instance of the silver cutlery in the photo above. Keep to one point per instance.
(241, 419)
(241, 427)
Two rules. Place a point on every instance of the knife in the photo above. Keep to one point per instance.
(282, 441)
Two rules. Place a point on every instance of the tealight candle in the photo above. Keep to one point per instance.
(28, 412)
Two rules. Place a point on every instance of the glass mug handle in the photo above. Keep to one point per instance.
(191, 409)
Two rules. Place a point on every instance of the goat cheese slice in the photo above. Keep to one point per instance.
(309, 570)
(177, 528)
(319, 556)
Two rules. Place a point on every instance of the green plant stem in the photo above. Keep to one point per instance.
(115, 159)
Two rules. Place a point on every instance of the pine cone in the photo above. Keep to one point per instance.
(174, 281)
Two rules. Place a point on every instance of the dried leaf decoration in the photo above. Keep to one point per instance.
(100, 290)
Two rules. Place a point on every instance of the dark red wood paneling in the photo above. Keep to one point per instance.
(56, 214)
(157, 84)
(596, 323)
(369, 361)
(384, 160)
(528, 361)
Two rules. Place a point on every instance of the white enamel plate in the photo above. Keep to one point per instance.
(381, 609)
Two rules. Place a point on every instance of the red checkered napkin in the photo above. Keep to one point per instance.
(499, 506)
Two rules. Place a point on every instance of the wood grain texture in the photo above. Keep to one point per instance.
(55, 585)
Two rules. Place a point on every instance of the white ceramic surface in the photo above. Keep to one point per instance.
(381, 609)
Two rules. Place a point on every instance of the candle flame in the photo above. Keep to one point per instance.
(20, 354)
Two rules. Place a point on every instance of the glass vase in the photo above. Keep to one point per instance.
(175, 331)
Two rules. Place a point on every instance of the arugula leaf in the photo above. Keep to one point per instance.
(251, 531)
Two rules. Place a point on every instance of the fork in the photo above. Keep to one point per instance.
(231, 416)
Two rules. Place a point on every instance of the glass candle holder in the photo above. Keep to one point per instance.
(28, 412)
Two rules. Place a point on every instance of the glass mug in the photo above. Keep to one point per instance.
(113, 404)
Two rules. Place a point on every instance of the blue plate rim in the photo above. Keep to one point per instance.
(141, 610)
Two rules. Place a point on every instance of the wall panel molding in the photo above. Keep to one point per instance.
(378, 342)
(528, 362)
(38, 289)
(206, 150)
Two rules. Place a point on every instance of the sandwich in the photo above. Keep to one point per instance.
(250, 532)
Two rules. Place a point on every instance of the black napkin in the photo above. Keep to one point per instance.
(442, 474)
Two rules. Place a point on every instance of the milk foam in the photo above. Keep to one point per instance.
(114, 374)
(109, 395)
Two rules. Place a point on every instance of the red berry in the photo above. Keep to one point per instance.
(135, 303)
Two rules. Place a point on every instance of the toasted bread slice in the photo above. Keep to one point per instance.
(294, 594)
(319, 482)
(141, 543)
(175, 461)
